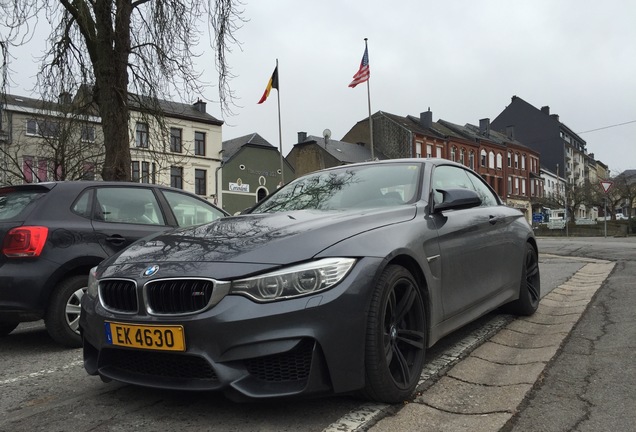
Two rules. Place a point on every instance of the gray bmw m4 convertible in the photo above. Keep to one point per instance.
(336, 283)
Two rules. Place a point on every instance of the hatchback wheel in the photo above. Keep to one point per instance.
(62, 316)
(396, 337)
(530, 286)
(7, 327)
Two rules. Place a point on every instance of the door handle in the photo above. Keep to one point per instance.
(115, 239)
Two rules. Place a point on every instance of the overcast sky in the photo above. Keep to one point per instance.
(463, 59)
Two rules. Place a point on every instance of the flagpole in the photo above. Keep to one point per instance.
(280, 133)
(369, 103)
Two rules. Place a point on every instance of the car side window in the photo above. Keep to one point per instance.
(128, 205)
(189, 210)
(449, 177)
(487, 196)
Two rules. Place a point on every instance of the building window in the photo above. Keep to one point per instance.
(88, 133)
(199, 143)
(462, 156)
(176, 177)
(509, 160)
(491, 159)
(175, 140)
(509, 185)
(471, 160)
(44, 128)
(27, 168)
(516, 160)
(453, 154)
(145, 172)
(483, 158)
(418, 149)
(523, 186)
(438, 152)
(32, 127)
(134, 176)
(88, 171)
(429, 150)
(499, 161)
(516, 185)
(141, 135)
(523, 162)
(200, 182)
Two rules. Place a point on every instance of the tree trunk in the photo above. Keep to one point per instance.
(111, 92)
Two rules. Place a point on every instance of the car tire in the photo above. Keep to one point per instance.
(7, 327)
(395, 337)
(530, 287)
(62, 315)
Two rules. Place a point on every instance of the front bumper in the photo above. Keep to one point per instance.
(306, 345)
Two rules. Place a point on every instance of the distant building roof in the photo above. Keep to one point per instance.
(232, 146)
(194, 112)
(343, 151)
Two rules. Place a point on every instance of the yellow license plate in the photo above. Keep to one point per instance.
(163, 338)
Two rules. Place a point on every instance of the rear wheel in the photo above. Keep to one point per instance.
(530, 287)
(396, 337)
(62, 316)
(7, 327)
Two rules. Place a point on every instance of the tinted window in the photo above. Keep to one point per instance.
(128, 205)
(12, 202)
(189, 210)
(451, 177)
(487, 196)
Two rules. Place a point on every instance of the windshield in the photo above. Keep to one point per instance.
(363, 186)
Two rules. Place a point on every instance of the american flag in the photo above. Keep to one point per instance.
(363, 73)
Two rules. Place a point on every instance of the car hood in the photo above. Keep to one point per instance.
(271, 239)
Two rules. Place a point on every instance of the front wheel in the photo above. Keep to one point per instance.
(395, 337)
(63, 313)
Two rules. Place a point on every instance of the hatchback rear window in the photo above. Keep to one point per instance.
(13, 202)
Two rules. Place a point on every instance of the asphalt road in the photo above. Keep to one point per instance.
(590, 385)
(44, 387)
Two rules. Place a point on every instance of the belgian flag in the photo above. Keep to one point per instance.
(273, 83)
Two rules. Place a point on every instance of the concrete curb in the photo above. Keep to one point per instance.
(483, 391)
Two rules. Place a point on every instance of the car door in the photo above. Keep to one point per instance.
(124, 214)
(470, 242)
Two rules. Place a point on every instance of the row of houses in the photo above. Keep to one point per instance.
(524, 153)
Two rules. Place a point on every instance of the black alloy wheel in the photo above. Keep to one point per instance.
(396, 337)
(530, 286)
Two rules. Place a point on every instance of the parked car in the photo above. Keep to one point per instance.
(621, 216)
(53, 233)
(336, 283)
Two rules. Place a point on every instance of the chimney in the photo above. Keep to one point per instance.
(200, 106)
(545, 110)
(484, 127)
(555, 116)
(510, 132)
(302, 136)
(426, 118)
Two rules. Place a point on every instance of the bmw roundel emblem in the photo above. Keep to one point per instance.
(150, 271)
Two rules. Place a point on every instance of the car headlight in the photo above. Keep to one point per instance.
(91, 289)
(294, 281)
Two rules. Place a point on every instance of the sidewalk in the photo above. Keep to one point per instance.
(485, 390)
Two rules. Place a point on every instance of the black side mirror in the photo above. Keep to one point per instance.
(456, 199)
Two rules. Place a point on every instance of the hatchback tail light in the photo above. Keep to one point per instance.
(25, 241)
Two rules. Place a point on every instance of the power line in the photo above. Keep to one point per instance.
(606, 127)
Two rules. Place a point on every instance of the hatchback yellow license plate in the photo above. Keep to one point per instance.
(162, 338)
